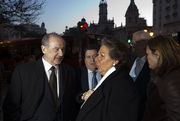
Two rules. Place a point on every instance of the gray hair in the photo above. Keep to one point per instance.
(140, 35)
(45, 39)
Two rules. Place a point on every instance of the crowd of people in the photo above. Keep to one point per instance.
(114, 84)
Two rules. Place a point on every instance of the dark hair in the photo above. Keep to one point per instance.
(169, 53)
(117, 51)
(91, 47)
(45, 39)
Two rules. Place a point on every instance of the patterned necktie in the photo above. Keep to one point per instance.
(138, 66)
(94, 80)
(53, 84)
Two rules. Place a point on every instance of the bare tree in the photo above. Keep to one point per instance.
(21, 11)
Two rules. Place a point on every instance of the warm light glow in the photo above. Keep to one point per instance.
(85, 25)
(145, 30)
(151, 34)
(174, 34)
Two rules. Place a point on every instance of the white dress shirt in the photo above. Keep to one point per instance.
(90, 76)
(47, 67)
(110, 71)
(132, 71)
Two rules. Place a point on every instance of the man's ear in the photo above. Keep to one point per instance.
(43, 48)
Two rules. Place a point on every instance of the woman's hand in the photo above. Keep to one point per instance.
(86, 94)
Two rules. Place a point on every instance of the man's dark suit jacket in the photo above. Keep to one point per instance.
(27, 89)
(141, 84)
(114, 100)
(82, 78)
(81, 84)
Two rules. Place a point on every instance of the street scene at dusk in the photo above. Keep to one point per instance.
(89, 60)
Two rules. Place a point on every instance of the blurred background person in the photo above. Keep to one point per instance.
(140, 71)
(114, 97)
(163, 103)
(87, 75)
(30, 58)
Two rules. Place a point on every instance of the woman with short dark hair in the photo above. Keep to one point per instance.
(114, 98)
(163, 103)
(117, 51)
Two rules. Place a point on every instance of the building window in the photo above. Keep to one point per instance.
(136, 19)
(160, 9)
(129, 19)
(154, 21)
(168, 1)
(159, 24)
(174, 6)
(175, 14)
(160, 17)
(154, 12)
(167, 17)
(167, 8)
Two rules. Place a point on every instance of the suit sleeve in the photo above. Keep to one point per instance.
(11, 106)
(122, 104)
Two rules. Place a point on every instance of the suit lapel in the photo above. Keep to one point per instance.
(62, 77)
(40, 78)
(143, 71)
(84, 79)
(40, 72)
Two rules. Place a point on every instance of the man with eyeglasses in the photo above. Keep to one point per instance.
(140, 71)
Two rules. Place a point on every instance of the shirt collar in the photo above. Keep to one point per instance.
(89, 71)
(47, 65)
(110, 71)
(143, 58)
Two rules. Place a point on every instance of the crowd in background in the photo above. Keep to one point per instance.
(150, 92)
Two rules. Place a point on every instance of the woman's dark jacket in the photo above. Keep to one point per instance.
(164, 98)
(114, 100)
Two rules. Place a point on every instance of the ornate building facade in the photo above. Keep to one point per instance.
(133, 23)
(106, 27)
(166, 16)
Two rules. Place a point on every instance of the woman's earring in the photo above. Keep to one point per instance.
(114, 64)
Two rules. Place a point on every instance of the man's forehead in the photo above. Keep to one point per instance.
(56, 38)
(91, 51)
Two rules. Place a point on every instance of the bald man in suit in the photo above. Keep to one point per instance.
(140, 71)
